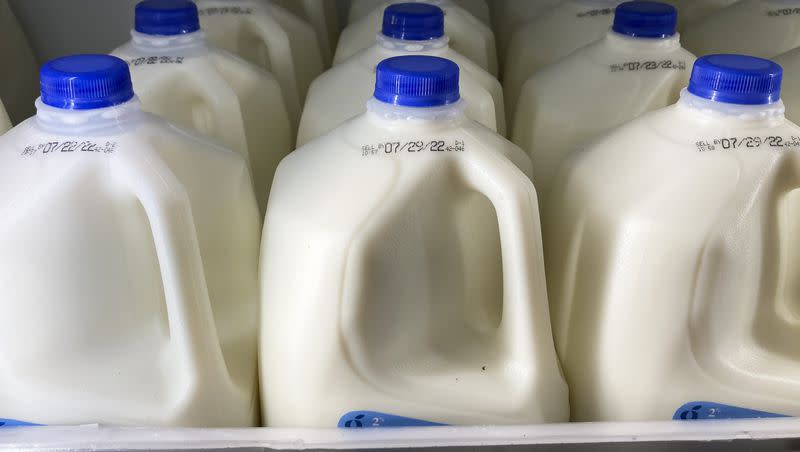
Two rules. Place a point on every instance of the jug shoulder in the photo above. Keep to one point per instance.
(231, 65)
(365, 137)
(605, 77)
(189, 143)
(664, 155)
(138, 57)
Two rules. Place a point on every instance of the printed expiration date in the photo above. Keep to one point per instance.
(783, 12)
(411, 147)
(52, 147)
(633, 66)
(164, 59)
(596, 12)
(730, 143)
(225, 10)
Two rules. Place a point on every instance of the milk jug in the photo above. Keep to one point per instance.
(322, 15)
(639, 66)
(509, 15)
(402, 252)
(18, 87)
(361, 8)
(555, 34)
(269, 37)
(671, 245)
(148, 237)
(408, 29)
(762, 28)
(178, 76)
(468, 35)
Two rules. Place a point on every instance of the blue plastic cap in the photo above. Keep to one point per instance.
(736, 79)
(85, 82)
(643, 19)
(166, 17)
(417, 81)
(413, 21)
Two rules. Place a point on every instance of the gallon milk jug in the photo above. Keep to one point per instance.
(670, 246)
(638, 67)
(408, 29)
(384, 259)
(18, 88)
(762, 28)
(362, 8)
(269, 37)
(553, 35)
(179, 77)
(322, 15)
(148, 237)
(509, 15)
(468, 35)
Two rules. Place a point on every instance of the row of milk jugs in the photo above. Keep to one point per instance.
(399, 278)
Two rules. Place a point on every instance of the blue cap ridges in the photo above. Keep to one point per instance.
(166, 17)
(84, 82)
(413, 21)
(645, 19)
(417, 81)
(736, 79)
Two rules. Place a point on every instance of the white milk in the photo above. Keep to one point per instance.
(382, 260)
(323, 16)
(468, 35)
(268, 36)
(129, 263)
(19, 76)
(638, 67)
(179, 77)
(762, 28)
(362, 8)
(343, 91)
(509, 15)
(670, 249)
(553, 35)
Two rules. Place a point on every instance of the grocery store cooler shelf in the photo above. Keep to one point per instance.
(767, 434)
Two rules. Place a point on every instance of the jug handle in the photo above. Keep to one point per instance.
(274, 35)
(216, 93)
(165, 202)
(515, 203)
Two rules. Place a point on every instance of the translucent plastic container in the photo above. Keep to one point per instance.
(148, 237)
(553, 35)
(423, 302)
(409, 29)
(669, 244)
(468, 35)
(638, 67)
(178, 76)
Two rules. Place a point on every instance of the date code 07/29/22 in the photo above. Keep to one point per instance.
(749, 142)
(411, 147)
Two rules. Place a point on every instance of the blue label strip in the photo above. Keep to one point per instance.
(374, 419)
(15, 423)
(695, 411)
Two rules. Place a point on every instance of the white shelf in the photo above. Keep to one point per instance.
(670, 435)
